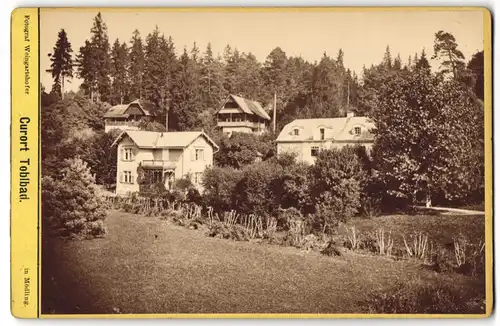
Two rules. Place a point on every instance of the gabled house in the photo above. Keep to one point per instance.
(306, 137)
(165, 156)
(238, 114)
(127, 116)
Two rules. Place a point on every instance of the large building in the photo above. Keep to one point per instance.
(127, 116)
(306, 137)
(238, 114)
(166, 156)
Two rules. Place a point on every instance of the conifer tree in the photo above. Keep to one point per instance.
(446, 50)
(62, 62)
(119, 72)
(136, 70)
(94, 62)
(186, 98)
(422, 63)
(211, 80)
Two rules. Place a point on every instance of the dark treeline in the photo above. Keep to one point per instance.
(191, 85)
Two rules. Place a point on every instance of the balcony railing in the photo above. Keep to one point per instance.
(159, 164)
(248, 124)
(121, 123)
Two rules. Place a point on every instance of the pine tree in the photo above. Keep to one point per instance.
(94, 62)
(446, 50)
(249, 79)
(212, 80)
(275, 75)
(326, 96)
(62, 63)
(137, 66)
(160, 67)
(397, 63)
(422, 63)
(119, 72)
(387, 61)
(186, 99)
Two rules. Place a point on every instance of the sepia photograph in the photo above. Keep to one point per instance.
(286, 161)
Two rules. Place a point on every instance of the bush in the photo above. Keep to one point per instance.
(254, 192)
(336, 186)
(220, 187)
(419, 297)
(72, 207)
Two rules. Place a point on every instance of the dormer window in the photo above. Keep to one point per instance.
(322, 134)
(296, 131)
(357, 131)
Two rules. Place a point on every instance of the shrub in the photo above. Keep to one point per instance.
(254, 193)
(419, 297)
(335, 188)
(72, 206)
(220, 187)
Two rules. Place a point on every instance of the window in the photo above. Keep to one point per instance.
(322, 133)
(314, 151)
(357, 131)
(197, 178)
(296, 131)
(127, 177)
(198, 154)
(128, 154)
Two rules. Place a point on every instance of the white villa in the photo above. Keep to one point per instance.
(167, 156)
(306, 137)
(238, 114)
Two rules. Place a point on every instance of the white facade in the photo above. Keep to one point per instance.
(171, 163)
(306, 137)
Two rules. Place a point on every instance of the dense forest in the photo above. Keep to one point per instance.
(191, 85)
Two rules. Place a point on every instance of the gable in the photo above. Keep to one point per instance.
(134, 109)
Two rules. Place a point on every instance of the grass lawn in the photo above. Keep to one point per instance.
(145, 265)
(441, 229)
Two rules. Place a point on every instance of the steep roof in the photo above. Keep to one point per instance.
(339, 129)
(248, 106)
(154, 139)
(119, 111)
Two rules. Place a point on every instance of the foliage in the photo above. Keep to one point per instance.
(446, 50)
(419, 297)
(71, 205)
(476, 66)
(220, 187)
(62, 62)
(429, 138)
(119, 73)
(335, 189)
(151, 125)
(94, 62)
(241, 149)
(137, 65)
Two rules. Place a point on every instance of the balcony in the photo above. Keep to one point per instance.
(159, 164)
(248, 124)
(119, 123)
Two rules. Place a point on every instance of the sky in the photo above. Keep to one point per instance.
(362, 35)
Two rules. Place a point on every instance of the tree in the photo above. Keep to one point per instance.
(137, 66)
(335, 189)
(241, 149)
(275, 76)
(211, 80)
(94, 62)
(186, 96)
(429, 139)
(119, 73)
(446, 50)
(422, 63)
(159, 75)
(71, 205)
(62, 62)
(327, 85)
(476, 66)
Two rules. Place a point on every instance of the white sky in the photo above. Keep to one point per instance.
(363, 35)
